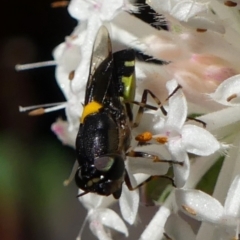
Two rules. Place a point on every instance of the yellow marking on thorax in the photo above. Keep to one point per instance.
(91, 107)
(129, 63)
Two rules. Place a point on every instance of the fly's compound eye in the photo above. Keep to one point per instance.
(111, 164)
(103, 163)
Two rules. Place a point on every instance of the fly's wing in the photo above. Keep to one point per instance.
(101, 68)
(124, 69)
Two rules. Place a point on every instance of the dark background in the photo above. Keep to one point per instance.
(33, 163)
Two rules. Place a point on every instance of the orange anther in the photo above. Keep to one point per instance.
(37, 112)
(144, 137)
(189, 210)
(59, 4)
(201, 30)
(161, 140)
(232, 97)
(230, 4)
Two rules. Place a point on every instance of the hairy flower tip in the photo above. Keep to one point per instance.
(194, 14)
(228, 93)
(66, 136)
(105, 9)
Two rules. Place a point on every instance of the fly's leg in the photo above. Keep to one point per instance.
(131, 188)
(197, 120)
(166, 236)
(143, 104)
(155, 158)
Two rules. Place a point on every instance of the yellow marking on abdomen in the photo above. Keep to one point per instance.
(91, 107)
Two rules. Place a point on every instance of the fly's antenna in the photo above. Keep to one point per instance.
(28, 66)
(82, 194)
(72, 174)
(43, 108)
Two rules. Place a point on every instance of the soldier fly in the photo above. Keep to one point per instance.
(104, 136)
(105, 131)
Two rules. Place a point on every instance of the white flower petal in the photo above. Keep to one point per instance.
(129, 202)
(79, 9)
(155, 228)
(181, 173)
(187, 9)
(199, 141)
(93, 200)
(228, 92)
(108, 218)
(232, 203)
(177, 111)
(221, 118)
(199, 205)
(178, 229)
(207, 21)
(148, 166)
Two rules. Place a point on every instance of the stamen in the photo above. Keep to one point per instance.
(189, 210)
(37, 112)
(144, 137)
(82, 227)
(230, 4)
(161, 140)
(24, 109)
(59, 4)
(232, 97)
(71, 75)
(201, 30)
(41, 111)
(22, 67)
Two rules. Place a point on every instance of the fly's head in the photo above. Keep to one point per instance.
(104, 177)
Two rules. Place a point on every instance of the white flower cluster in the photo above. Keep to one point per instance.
(200, 51)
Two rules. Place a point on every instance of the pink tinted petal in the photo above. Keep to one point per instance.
(177, 111)
(129, 202)
(64, 134)
(199, 141)
(232, 203)
(228, 93)
(199, 205)
(109, 219)
(99, 231)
